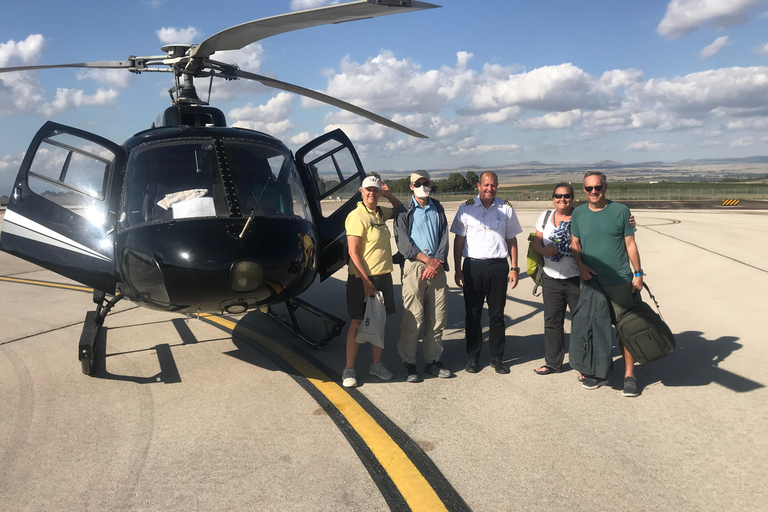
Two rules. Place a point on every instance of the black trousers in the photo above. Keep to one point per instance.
(485, 280)
(557, 294)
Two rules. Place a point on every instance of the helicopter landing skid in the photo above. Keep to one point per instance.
(333, 325)
(92, 327)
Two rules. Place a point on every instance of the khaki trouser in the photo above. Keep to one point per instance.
(424, 302)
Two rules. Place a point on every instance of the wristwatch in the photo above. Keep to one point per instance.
(516, 269)
(639, 273)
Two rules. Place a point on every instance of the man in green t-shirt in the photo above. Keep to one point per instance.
(603, 244)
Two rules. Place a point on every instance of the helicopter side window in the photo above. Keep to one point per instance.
(176, 180)
(265, 180)
(334, 173)
(72, 173)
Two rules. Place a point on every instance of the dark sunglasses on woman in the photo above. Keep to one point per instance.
(561, 196)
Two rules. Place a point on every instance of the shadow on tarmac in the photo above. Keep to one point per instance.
(695, 363)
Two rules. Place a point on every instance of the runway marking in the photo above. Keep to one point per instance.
(415, 489)
(46, 283)
(409, 481)
(704, 248)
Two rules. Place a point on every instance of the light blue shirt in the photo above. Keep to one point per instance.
(425, 231)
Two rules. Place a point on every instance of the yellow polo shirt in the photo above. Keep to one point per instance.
(375, 249)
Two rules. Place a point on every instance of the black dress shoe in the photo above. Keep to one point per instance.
(499, 366)
(473, 366)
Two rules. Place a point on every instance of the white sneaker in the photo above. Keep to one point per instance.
(348, 378)
(380, 371)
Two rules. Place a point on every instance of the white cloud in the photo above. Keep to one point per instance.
(25, 53)
(67, 99)
(481, 149)
(745, 142)
(173, 35)
(248, 59)
(20, 92)
(755, 123)
(704, 91)
(685, 16)
(272, 117)
(117, 78)
(553, 120)
(761, 50)
(715, 48)
(301, 139)
(550, 88)
(647, 145)
(387, 84)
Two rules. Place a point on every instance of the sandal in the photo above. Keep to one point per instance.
(581, 378)
(545, 370)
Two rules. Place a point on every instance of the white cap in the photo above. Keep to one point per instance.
(372, 181)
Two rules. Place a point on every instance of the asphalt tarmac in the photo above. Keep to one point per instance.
(234, 413)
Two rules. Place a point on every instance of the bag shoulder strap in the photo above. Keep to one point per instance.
(546, 218)
(645, 285)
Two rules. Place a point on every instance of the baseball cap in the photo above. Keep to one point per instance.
(372, 181)
(419, 174)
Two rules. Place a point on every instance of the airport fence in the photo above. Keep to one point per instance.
(623, 193)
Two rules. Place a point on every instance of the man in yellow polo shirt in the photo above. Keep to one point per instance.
(370, 269)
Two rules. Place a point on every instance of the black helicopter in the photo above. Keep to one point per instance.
(190, 215)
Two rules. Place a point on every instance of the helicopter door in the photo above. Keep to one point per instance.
(61, 214)
(331, 173)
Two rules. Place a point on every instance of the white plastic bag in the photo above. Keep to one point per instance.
(372, 328)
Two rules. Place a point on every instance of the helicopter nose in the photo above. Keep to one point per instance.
(247, 276)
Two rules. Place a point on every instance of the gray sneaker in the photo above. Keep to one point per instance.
(348, 378)
(413, 374)
(380, 371)
(436, 368)
(593, 383)
(630, 387)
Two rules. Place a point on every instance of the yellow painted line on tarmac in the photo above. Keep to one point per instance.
(407, 478)
(47, 283)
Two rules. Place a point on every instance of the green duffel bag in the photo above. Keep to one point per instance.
(644, 333)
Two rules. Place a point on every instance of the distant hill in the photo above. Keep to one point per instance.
(607, 163)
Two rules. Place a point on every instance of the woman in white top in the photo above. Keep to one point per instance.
(560, 280)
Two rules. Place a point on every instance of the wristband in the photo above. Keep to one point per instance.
(515, 269)
(639, 273)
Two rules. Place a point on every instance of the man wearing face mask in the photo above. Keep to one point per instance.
(421, 232)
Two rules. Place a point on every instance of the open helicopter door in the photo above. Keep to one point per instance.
(331, 173)
(61, 214)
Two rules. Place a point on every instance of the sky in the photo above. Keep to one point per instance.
(491, 82)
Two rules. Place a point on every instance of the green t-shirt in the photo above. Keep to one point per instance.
(602, 234)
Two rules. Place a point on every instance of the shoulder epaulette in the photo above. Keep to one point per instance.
(507, 203)
(469, 202)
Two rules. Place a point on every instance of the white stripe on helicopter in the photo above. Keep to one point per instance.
(16, 224)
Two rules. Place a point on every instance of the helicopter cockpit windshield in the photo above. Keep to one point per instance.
(177, 180)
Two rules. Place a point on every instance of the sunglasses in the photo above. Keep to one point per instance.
(421, 184)
(563, 196)
(597, 188)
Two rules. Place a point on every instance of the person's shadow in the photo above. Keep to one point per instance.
(695, 362)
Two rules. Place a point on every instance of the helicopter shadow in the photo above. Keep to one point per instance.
(169, 372)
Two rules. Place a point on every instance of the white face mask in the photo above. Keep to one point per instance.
(422, 192)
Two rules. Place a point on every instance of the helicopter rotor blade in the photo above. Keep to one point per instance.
(330, 100)
(242, 35)
(107, 64)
